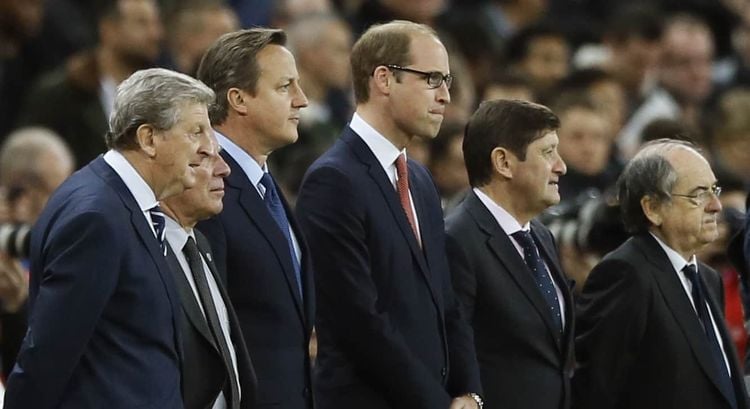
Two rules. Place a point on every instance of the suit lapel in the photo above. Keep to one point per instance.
(503, 248)
(189, 303)
(679, 303)
(140, 225)
(376, 172)
(256, 211)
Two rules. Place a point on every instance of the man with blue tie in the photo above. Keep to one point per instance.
(390, 332)
(103, 306)
(258, 248)
(505, 266)
(650, 332)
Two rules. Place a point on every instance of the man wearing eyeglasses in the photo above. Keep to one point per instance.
(650, 329)
(390, 334)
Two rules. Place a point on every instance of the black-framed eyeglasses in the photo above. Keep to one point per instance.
(434, 78)
(702, 196)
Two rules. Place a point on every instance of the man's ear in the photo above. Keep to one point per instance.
(145, 136)
(652, 210)
(502, 162)
(382, 80)
(236, 100)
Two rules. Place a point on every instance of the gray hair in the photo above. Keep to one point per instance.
(154, 96)
(24, 149)
(650, 174)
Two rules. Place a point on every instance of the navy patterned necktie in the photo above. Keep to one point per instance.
(699, 302)
(158, 222)
(542, 277)
(276, 208)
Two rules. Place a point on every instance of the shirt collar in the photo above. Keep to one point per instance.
(177, 236)
(249, 166)
(507, 222)
(138, 187)
(677, 261)
(383, 149)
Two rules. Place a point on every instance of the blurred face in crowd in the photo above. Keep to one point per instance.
(204, 199)
(414, 107)
(333, 55)
(136, 34)
(449, 171)
(502, 91)
(535, 178)
(633, 59)
(273, 109)
(196, 30)
(584, 140)
(686, 61)
(20, 19)
(609, 97)
(546, 61)
(420, 11)
(52, 169)
(687, 224)
(180, 150)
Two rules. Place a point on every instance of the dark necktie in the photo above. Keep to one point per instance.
(212, 317)
(276, 208)
(402, 186)
(158, 222)
(699, 301)
(542, 277)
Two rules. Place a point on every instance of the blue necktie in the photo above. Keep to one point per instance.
(158, 221)
(699, 301)
(276, 208)
(540, 273)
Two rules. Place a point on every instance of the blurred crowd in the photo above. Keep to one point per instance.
(617, 73)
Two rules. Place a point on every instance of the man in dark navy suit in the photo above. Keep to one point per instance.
(258, 248)
(390, 334)
(103, 305)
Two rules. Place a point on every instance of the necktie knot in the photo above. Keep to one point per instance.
(158, 221)
(267, 181)
(691, 273)
(524, 238)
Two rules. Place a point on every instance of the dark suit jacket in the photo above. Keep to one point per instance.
(103, 305)
(523, 360)
(639, 342)
(204, 373)
(253, 256)
(390, 334)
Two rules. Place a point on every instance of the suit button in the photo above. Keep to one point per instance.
(306, 392)
(444, 372)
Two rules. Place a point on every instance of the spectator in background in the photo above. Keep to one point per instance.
(321, 45)
(20, 21)
(730, 140)
(379, 11)
(541, 54)
(632, 41)
(684, 79)
(505, 84)
(605, 92)
(33, 163)
(192, 28)
(585, 146)
(76, 99)
(446, 163)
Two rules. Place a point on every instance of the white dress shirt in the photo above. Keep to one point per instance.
(177, 237)
(510, 225)
(385, 152)
(678, 263)
(141, 191)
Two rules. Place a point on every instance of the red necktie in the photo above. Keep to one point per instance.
(402, 185)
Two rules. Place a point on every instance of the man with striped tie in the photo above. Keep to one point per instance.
(102, 301)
